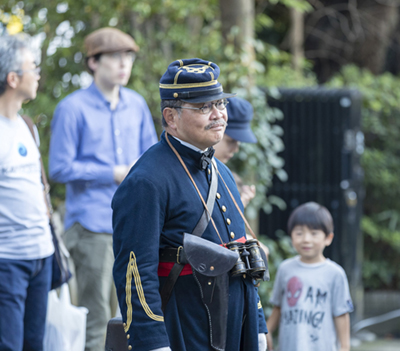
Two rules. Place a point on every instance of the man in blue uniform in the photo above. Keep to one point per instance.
(170, 269)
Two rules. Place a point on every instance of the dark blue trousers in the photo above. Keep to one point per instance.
(24, 286)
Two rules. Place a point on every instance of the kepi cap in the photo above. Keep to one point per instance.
(105, 40)
(240, 114)
(192, 80)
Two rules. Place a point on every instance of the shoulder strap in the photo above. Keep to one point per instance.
(205, 218)
(46, 185)
(30, 125)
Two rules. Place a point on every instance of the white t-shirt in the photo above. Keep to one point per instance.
(24, 226)
(310, 296)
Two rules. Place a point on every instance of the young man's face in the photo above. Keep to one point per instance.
(226, 148)
(28, 77)
(310, 243)
(201, 130)
(113, 68)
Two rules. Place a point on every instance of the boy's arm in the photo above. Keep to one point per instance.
(272, 324)
(342, 324)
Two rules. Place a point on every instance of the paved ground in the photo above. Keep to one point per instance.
(379, 345)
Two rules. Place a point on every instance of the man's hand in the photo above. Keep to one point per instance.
(247, 193)
(120, 173)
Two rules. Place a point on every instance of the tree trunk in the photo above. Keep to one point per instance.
(239, 15)
(297, 38)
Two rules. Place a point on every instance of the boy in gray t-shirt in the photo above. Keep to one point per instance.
(311, 295)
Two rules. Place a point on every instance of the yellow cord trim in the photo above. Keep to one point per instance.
(176, 77)
(212, 75)
(181, 63)
(259, 305)
(200, 64)
(133, 270)
(182, 86)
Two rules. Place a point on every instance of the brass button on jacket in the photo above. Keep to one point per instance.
(223, 209)
(228, 221)
(218, 195)
(232, 235)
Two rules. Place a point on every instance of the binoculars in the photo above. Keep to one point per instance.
(250, 261)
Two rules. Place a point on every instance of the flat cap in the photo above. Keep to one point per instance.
(105, 40)
(192, 80)
(240, 114)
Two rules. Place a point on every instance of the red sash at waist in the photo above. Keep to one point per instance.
(165, 267)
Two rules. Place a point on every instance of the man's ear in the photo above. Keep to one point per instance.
(92, 63)
(13, 79)
(169, 115)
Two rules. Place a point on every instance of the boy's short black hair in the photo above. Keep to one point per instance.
(312, 215)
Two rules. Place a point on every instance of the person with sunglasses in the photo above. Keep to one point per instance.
(98, 133)
(173, 217)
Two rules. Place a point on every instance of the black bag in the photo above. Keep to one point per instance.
(60, 269)
(61, 273)
(116, 338)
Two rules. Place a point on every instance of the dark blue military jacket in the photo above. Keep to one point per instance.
(152, 208)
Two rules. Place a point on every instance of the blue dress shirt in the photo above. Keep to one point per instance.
(88, 140)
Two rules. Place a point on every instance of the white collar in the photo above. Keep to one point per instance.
(190, 146)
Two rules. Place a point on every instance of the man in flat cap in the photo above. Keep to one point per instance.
(178, 285)
(98, 133)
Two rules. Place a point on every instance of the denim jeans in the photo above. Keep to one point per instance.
(24, 287)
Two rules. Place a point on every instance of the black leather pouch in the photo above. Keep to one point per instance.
(207, 257)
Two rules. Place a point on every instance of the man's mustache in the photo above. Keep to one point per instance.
(216, 123)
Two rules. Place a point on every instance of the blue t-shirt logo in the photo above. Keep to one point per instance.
(22, 150)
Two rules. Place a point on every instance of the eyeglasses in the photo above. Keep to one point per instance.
(121, 56)
(36, 71)
(206, 108)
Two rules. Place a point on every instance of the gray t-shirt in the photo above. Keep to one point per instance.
(310, 296)
(24, 226)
